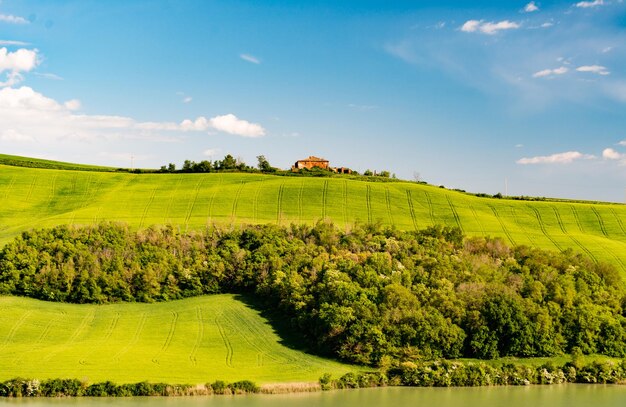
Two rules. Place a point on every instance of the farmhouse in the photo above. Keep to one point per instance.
(317, 162)
(311, 162)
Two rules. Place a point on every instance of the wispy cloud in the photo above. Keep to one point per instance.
(597, 69)
(589, 4)
(14, 43)
(48, 75)
(250, 58)
(187, 99)
(489, 28)
(531, 7)
(559, 158)
(551, 72)
(7, 18)
(362, 107)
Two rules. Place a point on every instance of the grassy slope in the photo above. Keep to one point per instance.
(33, 198)
(189, 341)
(18, 161)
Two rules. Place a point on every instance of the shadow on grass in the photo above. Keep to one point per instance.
(288, 334)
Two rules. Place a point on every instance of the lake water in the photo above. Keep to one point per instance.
(531, 396)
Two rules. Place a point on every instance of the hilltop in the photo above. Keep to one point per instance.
(35, 198)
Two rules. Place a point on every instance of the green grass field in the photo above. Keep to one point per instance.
(34, 198)
(190, 341)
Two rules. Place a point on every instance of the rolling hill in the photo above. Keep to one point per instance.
(34, 198)
(191, 341)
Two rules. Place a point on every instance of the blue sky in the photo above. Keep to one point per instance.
(467, 94)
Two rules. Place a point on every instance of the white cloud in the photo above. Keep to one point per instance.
(7, 18)
(471, 26)
(14, 43)
(530, 7)
(12, 135)
(14, 63)
(250, 58)
(200, 124)
(588, 4)
(210, 152)
(622, 143)
(73, 104)
(519, 146)
(22, 60)
(610, 154)
(229, 123)
(559, 158)
(606, 50)
(547, 24)
(551, 72)
(30, 114)
(187, 99)
(597, 69)
(489, 28)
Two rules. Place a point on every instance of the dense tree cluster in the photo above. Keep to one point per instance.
(228, 164)
(369, 295)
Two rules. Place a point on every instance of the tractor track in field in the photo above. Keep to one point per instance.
(431, 209)
(279, 203)
(31, 189)
(7, 191)
(577, 219)
(480, 224)
(134, 340)
(255, 202)
(368, 202)
(542, 226)
(87, 319)
(409, 200)
(388, 203)
(300, 208)
(457, 219)
(215, 189)
(111, 327)
(233, 209)
(16, 326)
(324, 199)
(227, 344)
(235, 319)
(517, 222)
(53, 188)
(53, 184)
(559, 220)
(504, 229)
(584, 249)
(199, 338)
(173, 195)
(193, 202)
(168, 338)
(145, 209)
(600, 222)
(619, 221)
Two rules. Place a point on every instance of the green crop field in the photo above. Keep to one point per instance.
(34, 198)
(189, 341)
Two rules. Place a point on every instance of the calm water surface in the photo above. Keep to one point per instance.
(533, 396)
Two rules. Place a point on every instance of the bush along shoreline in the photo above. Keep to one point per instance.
(75, 388)
(440, 373)
(473, 374)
